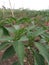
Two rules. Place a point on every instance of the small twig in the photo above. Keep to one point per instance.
(11, 11)
(11, 8)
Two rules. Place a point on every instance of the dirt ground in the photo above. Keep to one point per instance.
(10, 60)
(14, 58)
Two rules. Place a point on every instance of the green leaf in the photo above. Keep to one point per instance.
(17, 27)
(19, 48)
(8, 53)
(3, 45)
(10, 20)
(47, 46)
(43, 51)
(24, 20)
(38, 32)
(5, 31)
(23, 38)
(19, 33)
(31, 27)
(6, 38)
(1, 32)
(39, 60)
(45, 36)
(11, 29)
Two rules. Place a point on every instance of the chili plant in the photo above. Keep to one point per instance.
(18, 37)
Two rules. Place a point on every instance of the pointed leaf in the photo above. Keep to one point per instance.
(39, 60)
(3, 45)
(8, 53)
(19, 48)
(5, 31)
(6, 38)
(38, 32)
(43, 51)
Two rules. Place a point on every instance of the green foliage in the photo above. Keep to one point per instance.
(5, 31)
(3, 45)
(39, 60)
(32, 35)
(43, 51)
(19, 48)
(8, 53)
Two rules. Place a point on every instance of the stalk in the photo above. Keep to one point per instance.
(11, 8)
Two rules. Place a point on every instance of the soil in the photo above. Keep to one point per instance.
(11, 60)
